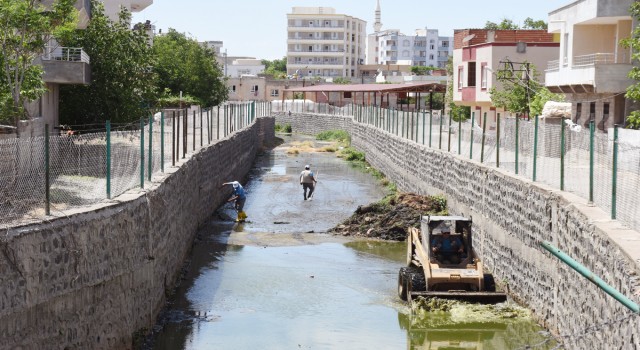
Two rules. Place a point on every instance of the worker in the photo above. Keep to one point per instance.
(308, 182)
(447, 248)
(239, 196)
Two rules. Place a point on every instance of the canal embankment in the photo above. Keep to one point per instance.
(85, 281)
(512, 216)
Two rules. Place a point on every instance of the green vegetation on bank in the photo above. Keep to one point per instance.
(283, 128)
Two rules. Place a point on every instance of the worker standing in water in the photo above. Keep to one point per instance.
(308, 182)
(239, 196)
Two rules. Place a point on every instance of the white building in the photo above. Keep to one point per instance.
(68, 65)
(244, 66)
(425, 48)
(322, 43)
(591, 68)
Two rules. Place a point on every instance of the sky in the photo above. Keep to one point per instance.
(258, 28)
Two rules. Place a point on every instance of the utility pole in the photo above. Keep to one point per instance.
(523, 68)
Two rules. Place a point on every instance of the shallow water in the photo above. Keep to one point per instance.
(272, 284)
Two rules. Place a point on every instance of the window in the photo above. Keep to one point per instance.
(483, 76)
(592, 111)
(471, 75)
(430, 57)
(310, 48)
(347, 94)
(578, 111)
(275, 92)
(445, 44)
(254, 88)
(406, 43)
(460, 77)
(233, 89)
(432, 47)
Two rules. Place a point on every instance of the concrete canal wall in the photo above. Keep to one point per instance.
(512, 215)
(87, 280)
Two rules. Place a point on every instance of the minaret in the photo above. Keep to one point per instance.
(377, 26)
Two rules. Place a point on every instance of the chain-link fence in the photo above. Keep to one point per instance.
(51, 175)
(600, 167)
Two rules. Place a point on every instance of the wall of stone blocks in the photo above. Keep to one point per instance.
(92, 279)
(512, 215)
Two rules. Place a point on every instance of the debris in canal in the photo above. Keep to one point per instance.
(390, 218)
(459, 311)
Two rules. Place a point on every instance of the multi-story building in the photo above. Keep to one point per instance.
(322, 43)
(69, 65)
(425, 48)
(478, 55)
(591, 66)
(244, 66)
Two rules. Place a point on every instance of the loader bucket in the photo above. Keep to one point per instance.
(470, 297)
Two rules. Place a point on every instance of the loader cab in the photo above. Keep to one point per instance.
(459, 227)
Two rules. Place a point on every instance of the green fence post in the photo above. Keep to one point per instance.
(459, 135)
(194, 130)
(484, 132)
(424, 125)
(142, 152)
(440, 132)
(108, 165)
(47, 173)
(174, 142)
(473, 123)
(201, 128)
(430, 126)
(162, 141)
(449, 133)
(592, 131)
(562, 154)
(535, 149)
(498, 141)
(217, 123)
(517, 141)
(614, 180)
(150, 170)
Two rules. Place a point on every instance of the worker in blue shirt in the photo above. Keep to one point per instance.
(239, 196)
(447, 248)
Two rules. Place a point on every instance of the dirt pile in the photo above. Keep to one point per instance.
(390, 218)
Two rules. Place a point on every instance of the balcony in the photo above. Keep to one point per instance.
(66, 65)
(596, 72)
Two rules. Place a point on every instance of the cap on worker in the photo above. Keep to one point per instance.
(306, 167)
(235, 184)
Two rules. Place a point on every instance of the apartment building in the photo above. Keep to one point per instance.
(591, 66)
(68, 65)
(323, 43)
(425, 48)
(477, 57)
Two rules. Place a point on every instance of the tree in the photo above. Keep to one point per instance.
(520, 91)
(26, 26)
(422, 70)
(633, 91)
(529, 23)
(276, 68)
(184, 65)
(506, 24)
(122, 84)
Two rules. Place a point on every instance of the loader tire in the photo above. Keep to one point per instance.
(402, 283)
(489, 283)
(417, 281)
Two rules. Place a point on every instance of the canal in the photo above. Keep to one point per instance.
(279, 281)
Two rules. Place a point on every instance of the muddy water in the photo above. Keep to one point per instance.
(279, 281)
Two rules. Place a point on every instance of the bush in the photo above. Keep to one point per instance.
(335, 135)
(283, 128)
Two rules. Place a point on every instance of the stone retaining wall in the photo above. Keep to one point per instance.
(89, 280)
(512, 215)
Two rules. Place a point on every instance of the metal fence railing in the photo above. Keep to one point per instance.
(52, 174)
(603, 168)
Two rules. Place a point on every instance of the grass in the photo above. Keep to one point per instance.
(283, 128)
(340, 136)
